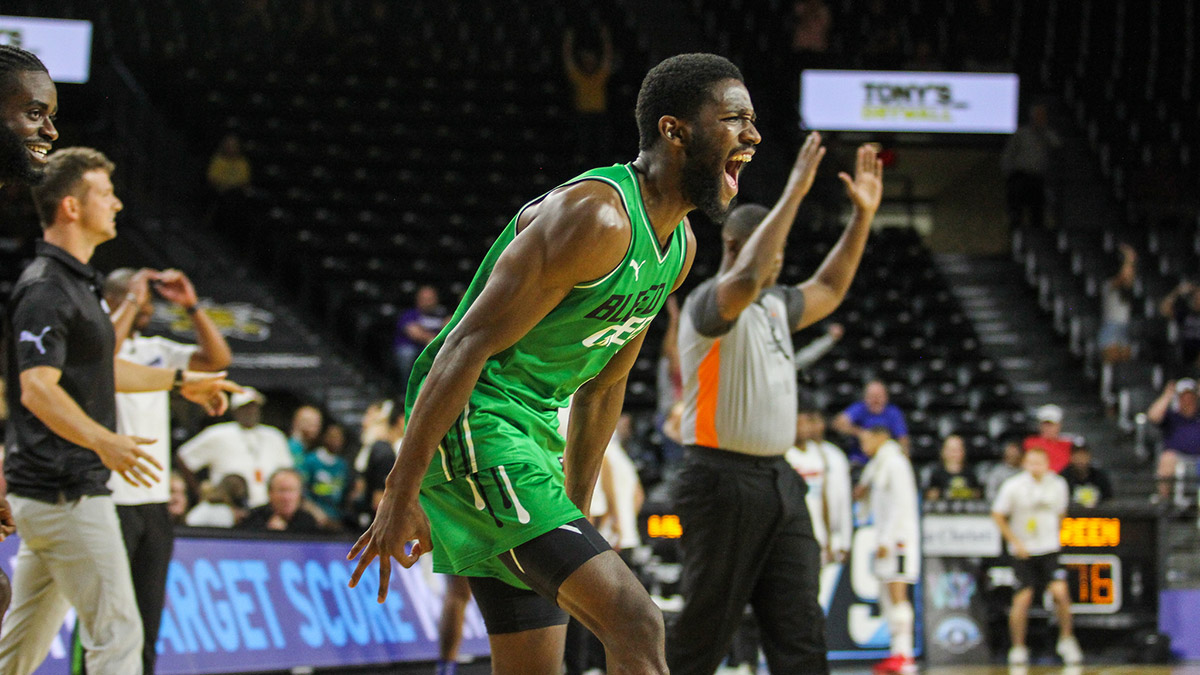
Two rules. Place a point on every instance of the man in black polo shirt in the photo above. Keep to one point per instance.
(62, 446)
(28, 101)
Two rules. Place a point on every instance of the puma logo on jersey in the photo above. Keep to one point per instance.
(27, 336)
(637, 267)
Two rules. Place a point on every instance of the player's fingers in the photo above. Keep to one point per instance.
(363, 563)
(359, 545)
(847, 180)
(385, 577)
(879, 167)
(143, 441)
(144, 476)
(864, 159)
(125, 476)
(149, 458)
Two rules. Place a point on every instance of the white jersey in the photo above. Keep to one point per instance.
(229, 448)
(1034, 509)
(827, 473)
(893, 497)
(148, 415)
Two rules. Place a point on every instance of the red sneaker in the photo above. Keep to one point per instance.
(896, 665)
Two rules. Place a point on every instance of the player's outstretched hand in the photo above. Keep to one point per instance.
(395, 525)
(866, 188)
(208, 390)
(807, 161)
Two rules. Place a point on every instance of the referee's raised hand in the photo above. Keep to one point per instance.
(125, 456)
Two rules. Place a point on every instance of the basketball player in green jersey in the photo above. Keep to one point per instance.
(558, 308)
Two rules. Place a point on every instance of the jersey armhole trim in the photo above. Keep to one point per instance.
(620, 265)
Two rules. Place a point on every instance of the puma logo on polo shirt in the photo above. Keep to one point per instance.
(27, 336)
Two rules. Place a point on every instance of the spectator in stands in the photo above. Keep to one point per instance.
(811, 21)
(245, 446)
(282, 512)
(1180, 430)
(1116, 309)
(1050, 437)
(873, 411)
(1088, 484)
(1008, 466)
(952, 479)
(588, 73)
(221, 505)
(229, 169)
(306, 431)
(1182, 305)
(229, 180)
(180, 501)
(416, 328)
(1025, 163)
(326, 474)
(383, 429)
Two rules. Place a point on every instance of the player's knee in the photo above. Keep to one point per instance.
(639, 620)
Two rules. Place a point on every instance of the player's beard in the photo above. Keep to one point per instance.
(15, 165)
(703, 175)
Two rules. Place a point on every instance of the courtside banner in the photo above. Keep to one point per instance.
(246, 605)
(858, 100)
(63, 45)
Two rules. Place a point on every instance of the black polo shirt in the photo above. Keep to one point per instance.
(58, 318)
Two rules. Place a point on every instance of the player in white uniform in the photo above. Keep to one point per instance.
(825, 470)
(1029, 508)
(891, 488)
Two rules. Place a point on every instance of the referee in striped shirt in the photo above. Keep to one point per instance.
(747, 536)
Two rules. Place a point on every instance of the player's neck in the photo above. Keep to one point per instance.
(662, 193)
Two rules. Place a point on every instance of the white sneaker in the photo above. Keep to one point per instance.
(1068, 649)
(1018, 656)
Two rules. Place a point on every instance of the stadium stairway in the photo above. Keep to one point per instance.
(1020, 338)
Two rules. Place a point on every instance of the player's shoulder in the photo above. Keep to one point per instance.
(586, 209)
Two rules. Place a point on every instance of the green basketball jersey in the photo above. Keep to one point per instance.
(513, 412)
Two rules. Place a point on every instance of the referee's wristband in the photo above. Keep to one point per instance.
(178, 381)
(192, 309)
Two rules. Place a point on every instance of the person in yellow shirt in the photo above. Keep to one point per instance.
(588, 74)
(229, 169)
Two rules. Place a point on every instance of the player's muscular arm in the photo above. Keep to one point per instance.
(740, 285)
(594, 413)
(824, 291)
(578, 234)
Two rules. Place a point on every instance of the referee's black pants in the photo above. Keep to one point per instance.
(150, 541)
(747, 538)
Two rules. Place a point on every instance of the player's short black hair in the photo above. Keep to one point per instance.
(678, 86)
(15, 60)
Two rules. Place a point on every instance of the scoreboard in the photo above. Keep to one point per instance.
(1111, 557)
